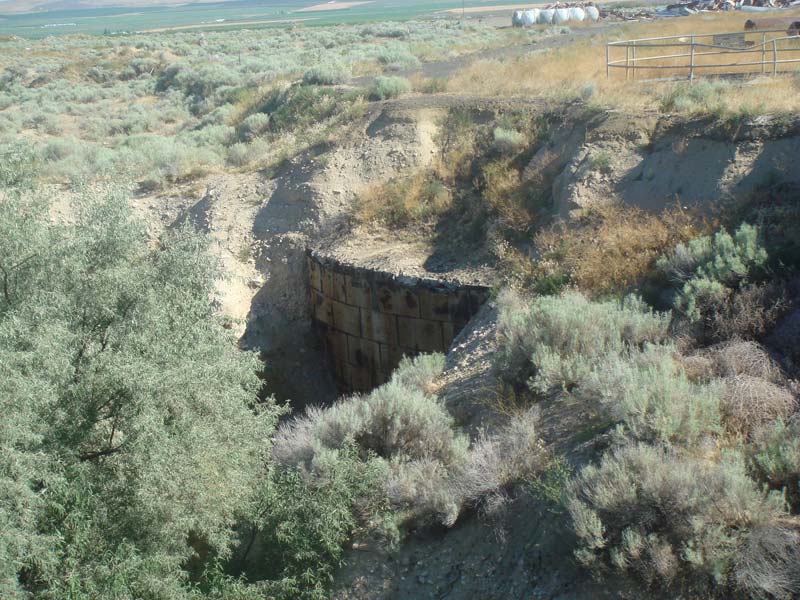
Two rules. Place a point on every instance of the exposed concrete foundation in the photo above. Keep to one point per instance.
(370, 319)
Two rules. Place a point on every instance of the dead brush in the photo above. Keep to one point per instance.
(698, 367)
(756, 392)
(750, 402)
(750, 311)
(428, 192)
(506, 197)
(731, 359)
(614, 247)
(768, 566)
(457, 140)
(416, 198)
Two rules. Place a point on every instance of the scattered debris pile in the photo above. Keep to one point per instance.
(696, 6)
(627, 14)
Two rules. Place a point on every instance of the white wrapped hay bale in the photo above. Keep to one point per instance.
(516, 18)
(577, 14)
(561, 16)
(592, 13)
(529, 17)
(546, 16)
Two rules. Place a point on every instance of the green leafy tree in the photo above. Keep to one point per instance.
(131, 437)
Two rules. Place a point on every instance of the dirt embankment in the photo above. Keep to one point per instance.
(585, 160)
(262, 223)
(652, 162)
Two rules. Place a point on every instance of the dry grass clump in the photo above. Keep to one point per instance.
(755, 388)
(578, 70)
(751, 402)
(769, 565)
(506, 196)
(476, 178)
(427, 85)
(612, 248)
(698, 367)
(458, 145)
(734, 358)
(417, 198)
(427, 193)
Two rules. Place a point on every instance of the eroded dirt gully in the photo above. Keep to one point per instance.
(524, 552)
(262, 224)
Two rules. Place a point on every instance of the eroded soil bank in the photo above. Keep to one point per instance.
(262, 224)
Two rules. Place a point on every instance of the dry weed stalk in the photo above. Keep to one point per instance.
(615, 246)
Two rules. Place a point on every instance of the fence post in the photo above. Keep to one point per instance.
(627, 59)
(633, 73)
(763, 53)
(608, 68)
(691, 61)
(774, 58)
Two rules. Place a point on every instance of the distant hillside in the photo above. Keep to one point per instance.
(26, 6)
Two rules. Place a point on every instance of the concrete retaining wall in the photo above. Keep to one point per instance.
(371, 319)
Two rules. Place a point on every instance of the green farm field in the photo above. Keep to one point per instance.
(222, 15)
